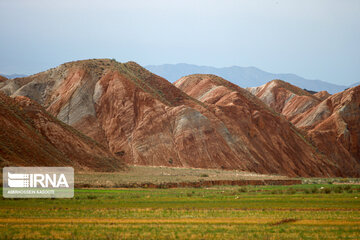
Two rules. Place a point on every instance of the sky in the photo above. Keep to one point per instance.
(314, 39)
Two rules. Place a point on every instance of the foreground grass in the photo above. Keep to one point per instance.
(256, 212)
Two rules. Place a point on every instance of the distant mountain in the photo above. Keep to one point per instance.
(354, 85)
(242, 76)
(15, 75)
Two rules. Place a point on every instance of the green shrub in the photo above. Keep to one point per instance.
(338, 189)
(190, 194)
(314, 190)
(91, 197)
(326, 190)
(290, 191)
(243, 189)
(204, 175)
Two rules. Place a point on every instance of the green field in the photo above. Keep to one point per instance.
(226, 212)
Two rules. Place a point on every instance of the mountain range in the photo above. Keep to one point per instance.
(12, 76)
(122, 113)
(242, 76)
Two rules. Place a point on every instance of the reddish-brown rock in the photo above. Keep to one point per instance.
(334, 126)
(331, 123)
(2, 79)
(285, 98)
(138, 115)
(146, 120)
(268, 140)
(322, 95)
(29, 136)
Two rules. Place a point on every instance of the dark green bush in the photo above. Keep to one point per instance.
(338, 189)
(314, 190)
(290, 191)
(91, 197)
(325, 190)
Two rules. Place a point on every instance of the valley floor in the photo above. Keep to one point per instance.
(307, 211)
(158, 175)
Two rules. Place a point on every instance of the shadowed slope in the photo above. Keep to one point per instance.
(31, 137)
(2, 79)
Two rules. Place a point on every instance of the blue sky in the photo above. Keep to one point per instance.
(314, 39)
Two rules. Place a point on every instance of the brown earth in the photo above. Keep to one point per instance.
(271, 141)
(31, 137)
(3, 79)
(334, 126)
(331, 123)
(204, 183)
(138, 115)
(285, 98)
(144, 119)
(322, 95)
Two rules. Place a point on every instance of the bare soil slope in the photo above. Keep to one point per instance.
(331, 122)
(2, 79)
(145, 120)
(285, 98)
(31, 137)
(334, 126)
(266, 138)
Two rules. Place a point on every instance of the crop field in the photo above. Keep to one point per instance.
(307, 211)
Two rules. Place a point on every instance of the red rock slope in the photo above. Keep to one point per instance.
(322, 95)
(29, 136)
(285, 98)
(269, 140)
(334, 126)
(331, 123)
(138, 115)
(146, 120)
(2, 79)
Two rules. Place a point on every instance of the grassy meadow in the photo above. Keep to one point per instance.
(307, 211)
